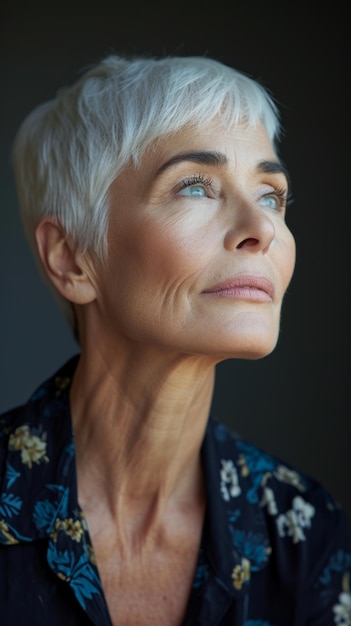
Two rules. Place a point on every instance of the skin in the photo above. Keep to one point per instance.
(153, 327)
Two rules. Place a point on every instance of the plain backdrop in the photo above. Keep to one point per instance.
(296, 402)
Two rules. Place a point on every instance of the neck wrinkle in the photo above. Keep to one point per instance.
(144, 454)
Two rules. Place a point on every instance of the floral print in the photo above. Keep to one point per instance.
(241, 573)
(296, 520)
(229, 480)
(289, 476)
(73, 528)
(268, 500)
(266, 526)
(77, 571)
(342, 610)
(32, 447)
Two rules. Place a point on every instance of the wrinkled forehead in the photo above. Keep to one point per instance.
(202, 135)
(215, 138)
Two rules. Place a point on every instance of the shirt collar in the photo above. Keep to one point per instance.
(39, 461)
(235, 535)
(40, 478)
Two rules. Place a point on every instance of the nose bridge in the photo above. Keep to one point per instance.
(249, 226)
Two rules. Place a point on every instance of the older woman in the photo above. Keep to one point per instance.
(155, 201)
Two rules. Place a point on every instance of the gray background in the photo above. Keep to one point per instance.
(294, 403)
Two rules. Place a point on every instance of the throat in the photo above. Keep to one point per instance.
(142, 475)
(147, 578)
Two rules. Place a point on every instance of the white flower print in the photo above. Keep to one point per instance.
(342, 610)
(286, 475)
(295, 520)
(268, 500)
(32, 447)
(229, 480)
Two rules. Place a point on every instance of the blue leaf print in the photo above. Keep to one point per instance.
(199, 576)
(252, 546)
(85, 581)
(44, 515)
(62, 562)
(221, 432)
(233, 516)
(338, 562)
(11, 475)
(45, 511)
(258, 462)
(201, 570)
(80, 574)
(62, 505)
(9, 535)
(10, 505)
(54, 487)
(70, 449)
(259, 465)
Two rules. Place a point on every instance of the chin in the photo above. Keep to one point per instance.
(255, 355)
(252, 345)
(252, 334)
(249, 354)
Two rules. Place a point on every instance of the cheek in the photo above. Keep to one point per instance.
(176, 248)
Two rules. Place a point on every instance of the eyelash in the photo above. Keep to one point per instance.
(197, 179)
(284, 196)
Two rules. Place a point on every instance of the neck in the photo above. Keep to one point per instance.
(139, 425)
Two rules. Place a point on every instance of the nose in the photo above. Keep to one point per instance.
(252, 229)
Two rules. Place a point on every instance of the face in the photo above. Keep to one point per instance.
(200, 255)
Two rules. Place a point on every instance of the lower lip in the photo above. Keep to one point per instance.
(242, 293)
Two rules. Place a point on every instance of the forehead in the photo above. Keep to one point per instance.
(239, 142)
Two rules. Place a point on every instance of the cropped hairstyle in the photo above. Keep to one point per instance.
(68, 151)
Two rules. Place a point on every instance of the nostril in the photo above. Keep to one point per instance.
(250, 241)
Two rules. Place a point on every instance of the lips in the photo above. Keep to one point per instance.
(244, 286)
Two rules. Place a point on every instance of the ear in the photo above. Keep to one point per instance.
(64, 266)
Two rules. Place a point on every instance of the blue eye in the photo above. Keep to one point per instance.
(269, 201)
(197, 186)
(193, 191)
(276, 200)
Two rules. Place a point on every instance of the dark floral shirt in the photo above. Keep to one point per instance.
(276, 547)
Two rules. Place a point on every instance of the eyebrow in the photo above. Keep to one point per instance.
(273, 167)
(219, 159)
(203, 157)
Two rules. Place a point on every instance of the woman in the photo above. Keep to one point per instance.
(155, 201)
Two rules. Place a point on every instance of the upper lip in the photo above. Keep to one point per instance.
(244, 280)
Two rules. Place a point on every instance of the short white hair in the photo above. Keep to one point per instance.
(68, 151)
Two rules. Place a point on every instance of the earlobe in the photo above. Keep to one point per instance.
(62, 264)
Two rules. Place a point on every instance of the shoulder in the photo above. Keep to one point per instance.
(36, 460)
(278, 511)
(271, 477)
(301, 516)
(24, 428)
